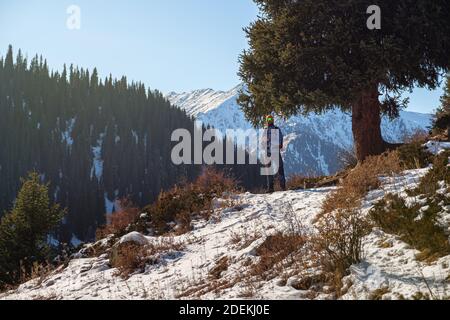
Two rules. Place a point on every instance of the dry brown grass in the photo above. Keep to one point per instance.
(220, 267)
(244, 238)
(338, 243)
(379, 293)
(274, 253)
(297, 182)
(362, 179)
(129, 258)
(203, 287)
(347, 159)
(418, 135)
(39, 271)
(182, 203)
(118, 222)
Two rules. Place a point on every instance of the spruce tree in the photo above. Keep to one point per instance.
(314, 55)
(24, 230)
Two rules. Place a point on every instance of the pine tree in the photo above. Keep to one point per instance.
(314, 55)
(442, 121)
(24, 230)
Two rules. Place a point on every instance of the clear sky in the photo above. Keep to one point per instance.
(170, 45)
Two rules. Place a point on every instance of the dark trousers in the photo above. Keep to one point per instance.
(281, 177)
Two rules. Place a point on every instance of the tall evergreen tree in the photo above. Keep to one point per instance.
(314, 55)
(24, 230)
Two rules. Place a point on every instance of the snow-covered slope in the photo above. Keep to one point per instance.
(231, 238)
(315, 141)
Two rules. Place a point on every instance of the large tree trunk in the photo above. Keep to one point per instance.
(366, 122)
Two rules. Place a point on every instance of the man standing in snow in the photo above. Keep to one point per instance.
(273, 131)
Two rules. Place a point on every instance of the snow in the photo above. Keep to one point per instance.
(112, 206)
(109, 205)
(437, 147)
(75, 242)
(97, 166)
(397, 269)
(67, 135)
(134, 237)
(52, 241)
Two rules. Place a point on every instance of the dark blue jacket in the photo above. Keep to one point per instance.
(269, 137)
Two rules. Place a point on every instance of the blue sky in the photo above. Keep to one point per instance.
(170, 45)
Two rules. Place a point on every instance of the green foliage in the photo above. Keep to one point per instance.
(429, 184)
(414, 156)
(313, 55)
(24, 230)
(417, 223)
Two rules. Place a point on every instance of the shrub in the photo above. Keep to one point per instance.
(174, 209)
(118, 222)
(379, 293)
(341, 226)
(347, 159)
(214, 183)
(129, 257)
(297, 182)
(414, 156)
(440, 171)
(274, 250)
(338, 242)
(416, 224)
(362, 179)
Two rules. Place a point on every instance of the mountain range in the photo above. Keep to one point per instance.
(314, 143)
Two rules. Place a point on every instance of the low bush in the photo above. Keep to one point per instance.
(347, 159)
(119, 222)
(417, 223)
(274, 251)
(297, 182)
(362, 179)
(338, 242)
(341, 226)
(414, 156)
(174, 209)
(430, 183)
(130, 257)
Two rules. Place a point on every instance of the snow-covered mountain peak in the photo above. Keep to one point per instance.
(203, 100)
